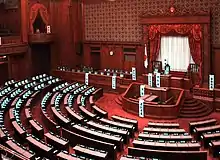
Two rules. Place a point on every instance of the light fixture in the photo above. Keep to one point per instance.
(111, 53)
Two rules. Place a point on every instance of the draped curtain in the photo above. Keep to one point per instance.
(176, 51)
(33, 14)
(193, 31)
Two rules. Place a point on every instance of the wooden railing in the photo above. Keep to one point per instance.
(203, 92)
(11, 40)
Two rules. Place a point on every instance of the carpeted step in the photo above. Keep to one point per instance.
(196, 115)
(196, 103)
(197, 111)
(189, 101)
(193, 108)
(118, 100)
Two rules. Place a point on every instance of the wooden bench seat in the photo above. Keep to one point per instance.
(163, 130)
(114, 130)
(180, 137)
(101, 136)
(58, 142)
(75, 139)
(198, 131)
(174, 146)
(126, 120)
(163, 125)
(203, 123)
(90, 152)
(168, 155)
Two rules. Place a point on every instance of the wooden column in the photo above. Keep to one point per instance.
(24, 20)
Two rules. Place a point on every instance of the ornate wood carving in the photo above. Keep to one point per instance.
(41, 38)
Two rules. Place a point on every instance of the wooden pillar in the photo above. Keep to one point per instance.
(206, 54)
(24, 20)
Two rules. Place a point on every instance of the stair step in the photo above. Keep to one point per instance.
(118, 101)
(193, 108)
(197, 103)
(204, 109)
(191, 100)
(196, 115)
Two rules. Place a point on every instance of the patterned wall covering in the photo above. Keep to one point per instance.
(118, 21)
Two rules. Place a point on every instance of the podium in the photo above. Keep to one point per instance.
(170, 81)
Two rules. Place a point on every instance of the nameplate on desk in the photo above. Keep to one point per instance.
(87, 78)
(150, 79)
(113, 82)
(158, 80)
(133, 72)
(141, 108)
(142, 90)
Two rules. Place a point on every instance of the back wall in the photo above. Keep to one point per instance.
(119, 20)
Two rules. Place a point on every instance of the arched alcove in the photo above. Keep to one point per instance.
(39, 17)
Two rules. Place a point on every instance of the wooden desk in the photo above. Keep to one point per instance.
(123, 133)
(87, 113)
(165, 137)
(90, 153)
(19, 130)
(73, 115)
(60, 118)
(75, 139)
(167, 146)
(126, 120)
(29, 102)
(11, 114)
(128, 127)
(214, 148)
(163, 125)
(207, 138)
(13, 145)
(99, 111)
(56, 141)
(203, 123)
(118, 141)
(27, 113)
(168, 155)
(164, 130)
(66, 156)
(66, 99)
(37, 129)
(41, 148)
(198, 131)
(52, 102)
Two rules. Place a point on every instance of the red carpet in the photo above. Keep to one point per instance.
(107, 102)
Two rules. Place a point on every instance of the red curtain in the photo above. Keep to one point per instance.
(33, 14)
(193, 31)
